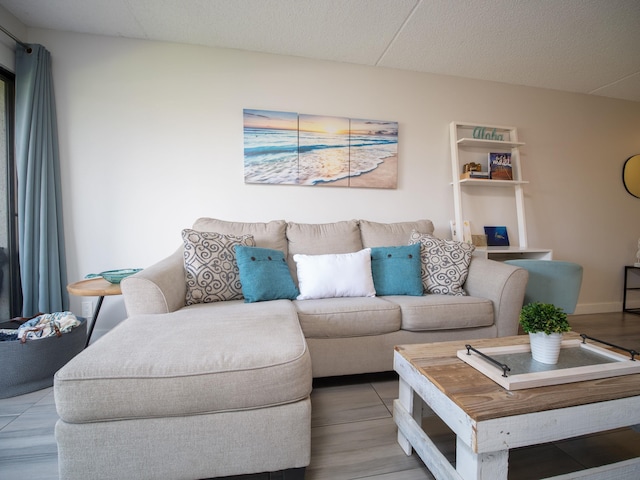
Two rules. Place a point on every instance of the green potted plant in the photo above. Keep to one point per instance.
(545, 323)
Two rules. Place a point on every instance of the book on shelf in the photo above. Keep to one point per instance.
(500, 167)
(480, 175)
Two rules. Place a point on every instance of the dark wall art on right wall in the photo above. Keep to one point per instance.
(631, 175)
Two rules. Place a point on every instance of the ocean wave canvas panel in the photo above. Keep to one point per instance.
(270, 147)
(302, 149)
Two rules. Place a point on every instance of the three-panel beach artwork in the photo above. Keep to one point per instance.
(299, 149)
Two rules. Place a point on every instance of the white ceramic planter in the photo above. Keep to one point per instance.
(545, 348)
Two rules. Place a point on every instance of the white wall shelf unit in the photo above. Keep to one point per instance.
(479, 140)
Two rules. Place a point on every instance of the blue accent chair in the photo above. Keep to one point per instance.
(552, 281)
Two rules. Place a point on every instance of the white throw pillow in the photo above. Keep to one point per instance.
(335, 275)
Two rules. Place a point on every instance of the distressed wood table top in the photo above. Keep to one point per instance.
(482, 399)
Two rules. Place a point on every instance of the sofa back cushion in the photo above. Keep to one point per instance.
(266, 235)
(375, 234)
(321, 238)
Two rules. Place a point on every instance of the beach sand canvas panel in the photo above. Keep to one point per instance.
(373, 154)
(270, 147)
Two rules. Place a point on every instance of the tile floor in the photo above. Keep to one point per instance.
(27, 444)
(353, 434)
(353, 437)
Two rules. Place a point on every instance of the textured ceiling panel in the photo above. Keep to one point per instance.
(627, 88)
(579, 45)
(101, 17)
(356, 31)
(586, 46)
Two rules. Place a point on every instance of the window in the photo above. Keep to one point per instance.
(10, 291)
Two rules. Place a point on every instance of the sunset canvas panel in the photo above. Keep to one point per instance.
(323, 149)
(270, 147)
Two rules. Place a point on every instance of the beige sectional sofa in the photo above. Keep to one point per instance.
(221, 388)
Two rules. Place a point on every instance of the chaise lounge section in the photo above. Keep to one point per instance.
(222, 388)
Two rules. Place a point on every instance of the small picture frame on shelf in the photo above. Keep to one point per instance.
(497, 236)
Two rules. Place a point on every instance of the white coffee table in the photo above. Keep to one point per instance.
(489, 420)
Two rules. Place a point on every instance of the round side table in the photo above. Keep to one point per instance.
(94, 287)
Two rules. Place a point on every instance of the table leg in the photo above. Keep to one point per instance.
(95, 319)
(412, 403)
(481, 466)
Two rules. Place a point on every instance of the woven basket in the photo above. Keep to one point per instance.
(30, 366)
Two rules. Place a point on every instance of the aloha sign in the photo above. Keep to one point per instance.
(485, 134)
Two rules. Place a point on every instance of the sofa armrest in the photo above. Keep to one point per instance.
(160, 288)
(504, 285)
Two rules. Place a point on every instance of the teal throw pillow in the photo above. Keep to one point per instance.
(264, 275)
(396, 270)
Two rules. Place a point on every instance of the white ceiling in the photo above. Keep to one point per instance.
(585, 46)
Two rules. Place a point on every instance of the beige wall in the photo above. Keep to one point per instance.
(151, 139)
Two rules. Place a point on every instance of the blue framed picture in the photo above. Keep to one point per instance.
(497, 236)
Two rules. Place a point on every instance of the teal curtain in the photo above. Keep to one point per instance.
(40, 228)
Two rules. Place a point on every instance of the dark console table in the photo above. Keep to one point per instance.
(634, 271)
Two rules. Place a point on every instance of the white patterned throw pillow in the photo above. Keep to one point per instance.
(444, 263)
(211, 269)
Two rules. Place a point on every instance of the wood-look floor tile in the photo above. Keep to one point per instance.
(47, 399)
(6, 420)
(603, 448)
(387, 390)
(354, 436)
(21, 403)
(540, 461)
(28, 447)
(35, 467)
(358, 450)
(620, 328)
(29, 436)
(346, 403)
(413, 474)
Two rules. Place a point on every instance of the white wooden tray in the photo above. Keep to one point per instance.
(578, 362)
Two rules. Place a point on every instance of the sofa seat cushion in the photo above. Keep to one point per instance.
(347, 317)
(205, 358)
(443, 312)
